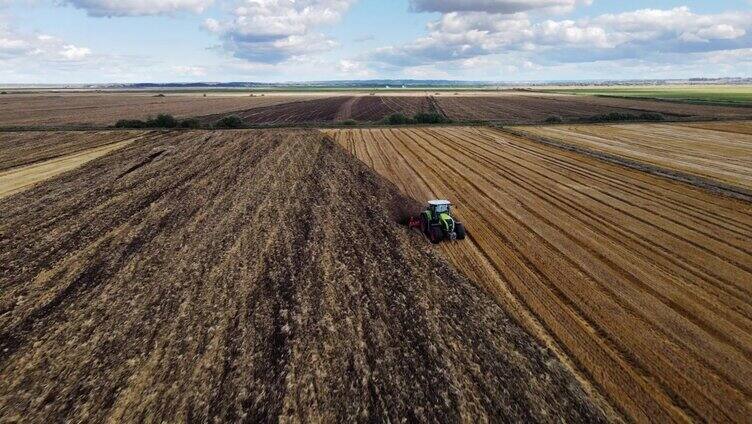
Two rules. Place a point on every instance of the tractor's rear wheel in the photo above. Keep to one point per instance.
(436, 235)
(460, 230)
(423, 225)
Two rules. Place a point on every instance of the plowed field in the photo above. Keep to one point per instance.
(30, 157)
(641, 284)
(61, 110)
(716, 151)
(330, 109)
(229, 276)
(522, 109)
(27, 147)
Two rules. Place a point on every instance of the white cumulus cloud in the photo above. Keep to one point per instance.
(271, 31)
(641, 33)
(111, 8)
(493, 6)
(71, 52)
(15, 45)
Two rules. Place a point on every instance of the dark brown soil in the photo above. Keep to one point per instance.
(531, 109)
(65, 110)
(249, 276)
(328, 110)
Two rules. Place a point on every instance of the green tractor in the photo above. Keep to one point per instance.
(437, 223)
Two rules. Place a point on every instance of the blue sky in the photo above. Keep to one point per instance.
(77, 41)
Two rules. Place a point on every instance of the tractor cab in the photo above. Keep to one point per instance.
(437, 222)
(437, 207)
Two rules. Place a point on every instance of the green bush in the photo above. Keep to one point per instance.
(618, 116)
(554, 120)
(398, 119)
(430, 118)
(349, 122)
(229, 122)
(130, 123)
(611, 117)
(190, 123)
(652, 116)
(4, 92)
(163, 121)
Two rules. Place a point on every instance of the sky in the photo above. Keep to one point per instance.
(126, 41)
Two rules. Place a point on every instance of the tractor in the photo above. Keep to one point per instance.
(437, 223)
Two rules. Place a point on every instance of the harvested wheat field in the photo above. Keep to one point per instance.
(33, 156)
(715, 151)
(103, 109)
(223, 276)
(640, 284)
(734, 127)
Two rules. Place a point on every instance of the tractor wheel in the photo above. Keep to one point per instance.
(436, 235)
(460, 230)
(423, 224)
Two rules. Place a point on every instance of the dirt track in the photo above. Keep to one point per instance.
(252, 276)
(717, 151)
(640, 283)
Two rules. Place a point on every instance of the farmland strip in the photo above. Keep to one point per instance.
(663, 322)
(701, 157)
(17, 179)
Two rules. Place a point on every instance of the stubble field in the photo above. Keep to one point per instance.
(640, 283)
(225, 276)
(719, 151)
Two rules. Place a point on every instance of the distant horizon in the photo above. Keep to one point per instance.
(362, 83)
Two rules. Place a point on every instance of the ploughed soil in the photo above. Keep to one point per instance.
(328, 110)
(536, 108)
(64, 110)
(255, 276)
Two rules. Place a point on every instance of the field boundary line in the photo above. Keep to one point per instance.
(708, 184)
